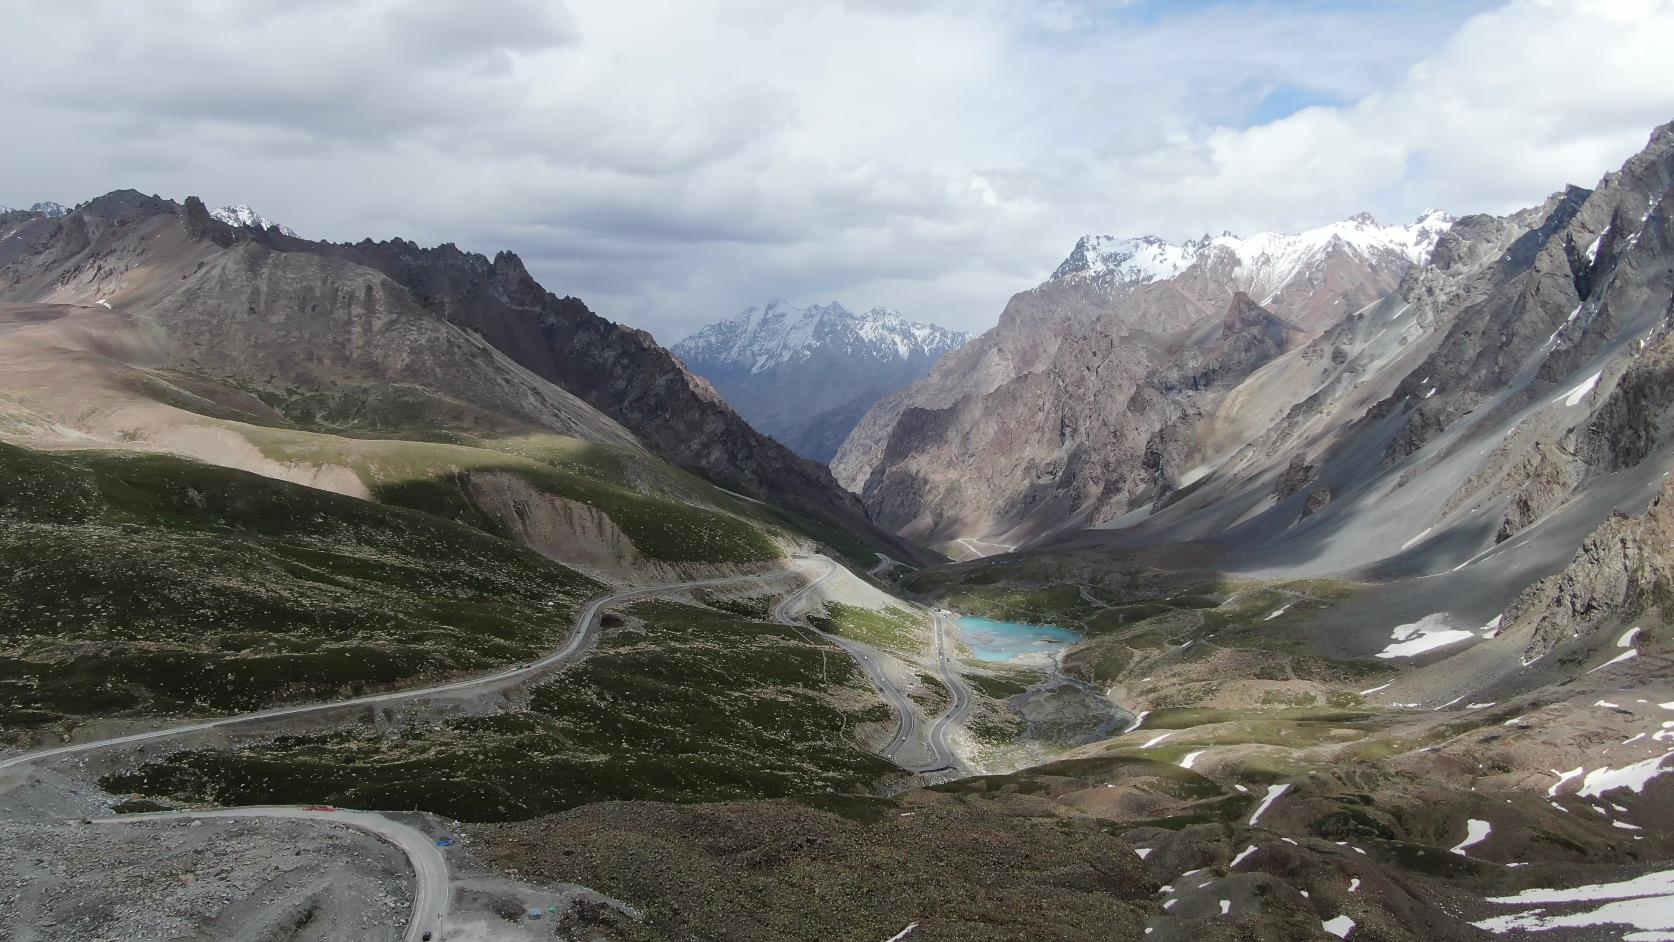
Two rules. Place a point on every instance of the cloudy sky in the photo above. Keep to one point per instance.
(672, 162)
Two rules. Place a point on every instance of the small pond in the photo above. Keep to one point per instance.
(1001, 641)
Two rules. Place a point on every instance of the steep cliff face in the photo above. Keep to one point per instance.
(1546, 303)
(1047, 420)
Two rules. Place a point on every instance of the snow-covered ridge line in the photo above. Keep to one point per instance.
(242, 215)
(761, 338)
(1272, 257)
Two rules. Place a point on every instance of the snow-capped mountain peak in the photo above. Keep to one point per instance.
(1268, 258)
(760, 338)
(242, 215)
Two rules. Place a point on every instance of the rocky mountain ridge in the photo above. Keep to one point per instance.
(1039, 387)
(390, 331)
(1270, 256)
(1473, 428)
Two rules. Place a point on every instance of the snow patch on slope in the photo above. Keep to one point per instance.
(1645, 903)
(1426, 634)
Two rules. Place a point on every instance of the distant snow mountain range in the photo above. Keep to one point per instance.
(759, 339)
(805, 375)
(237, 215)
(48, 209)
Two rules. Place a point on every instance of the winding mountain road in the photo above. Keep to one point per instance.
(431, 893)
(962, 701)
(871, 661)
(431, 889)
(586, 625)
(867, 657)
(430, 869)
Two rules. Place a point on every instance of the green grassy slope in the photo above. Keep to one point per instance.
(146, 584)
(897, 629)
(663, 516)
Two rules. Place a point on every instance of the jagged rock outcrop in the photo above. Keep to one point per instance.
(1623, 570)
(1549, 291)
(1295, 477)
(1317, 499)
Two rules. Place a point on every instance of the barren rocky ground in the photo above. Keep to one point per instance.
(212, 879)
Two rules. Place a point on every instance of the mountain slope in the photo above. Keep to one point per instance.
(1057, 388)
(378, 337)
(805, 376)
(1520, 376)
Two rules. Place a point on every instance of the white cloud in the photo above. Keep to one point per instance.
(1519, 102)
(672, 162)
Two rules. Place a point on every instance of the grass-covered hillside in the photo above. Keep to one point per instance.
(146, 584)
(675, 703)
(891, 627)
(668, 515)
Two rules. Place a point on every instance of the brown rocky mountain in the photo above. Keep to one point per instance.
(1471, 430)
(1517, 379)
(372, 335)
(1074, 386)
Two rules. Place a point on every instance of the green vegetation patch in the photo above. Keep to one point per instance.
(1269, 720)
(1044, 605)
(637, 471)
(931, 694)
(146, 584)
(897, 629)
(1001, 686)
(855, 871)
(758, 607)
(678, 704)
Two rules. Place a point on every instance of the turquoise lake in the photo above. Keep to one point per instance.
(992, 640)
